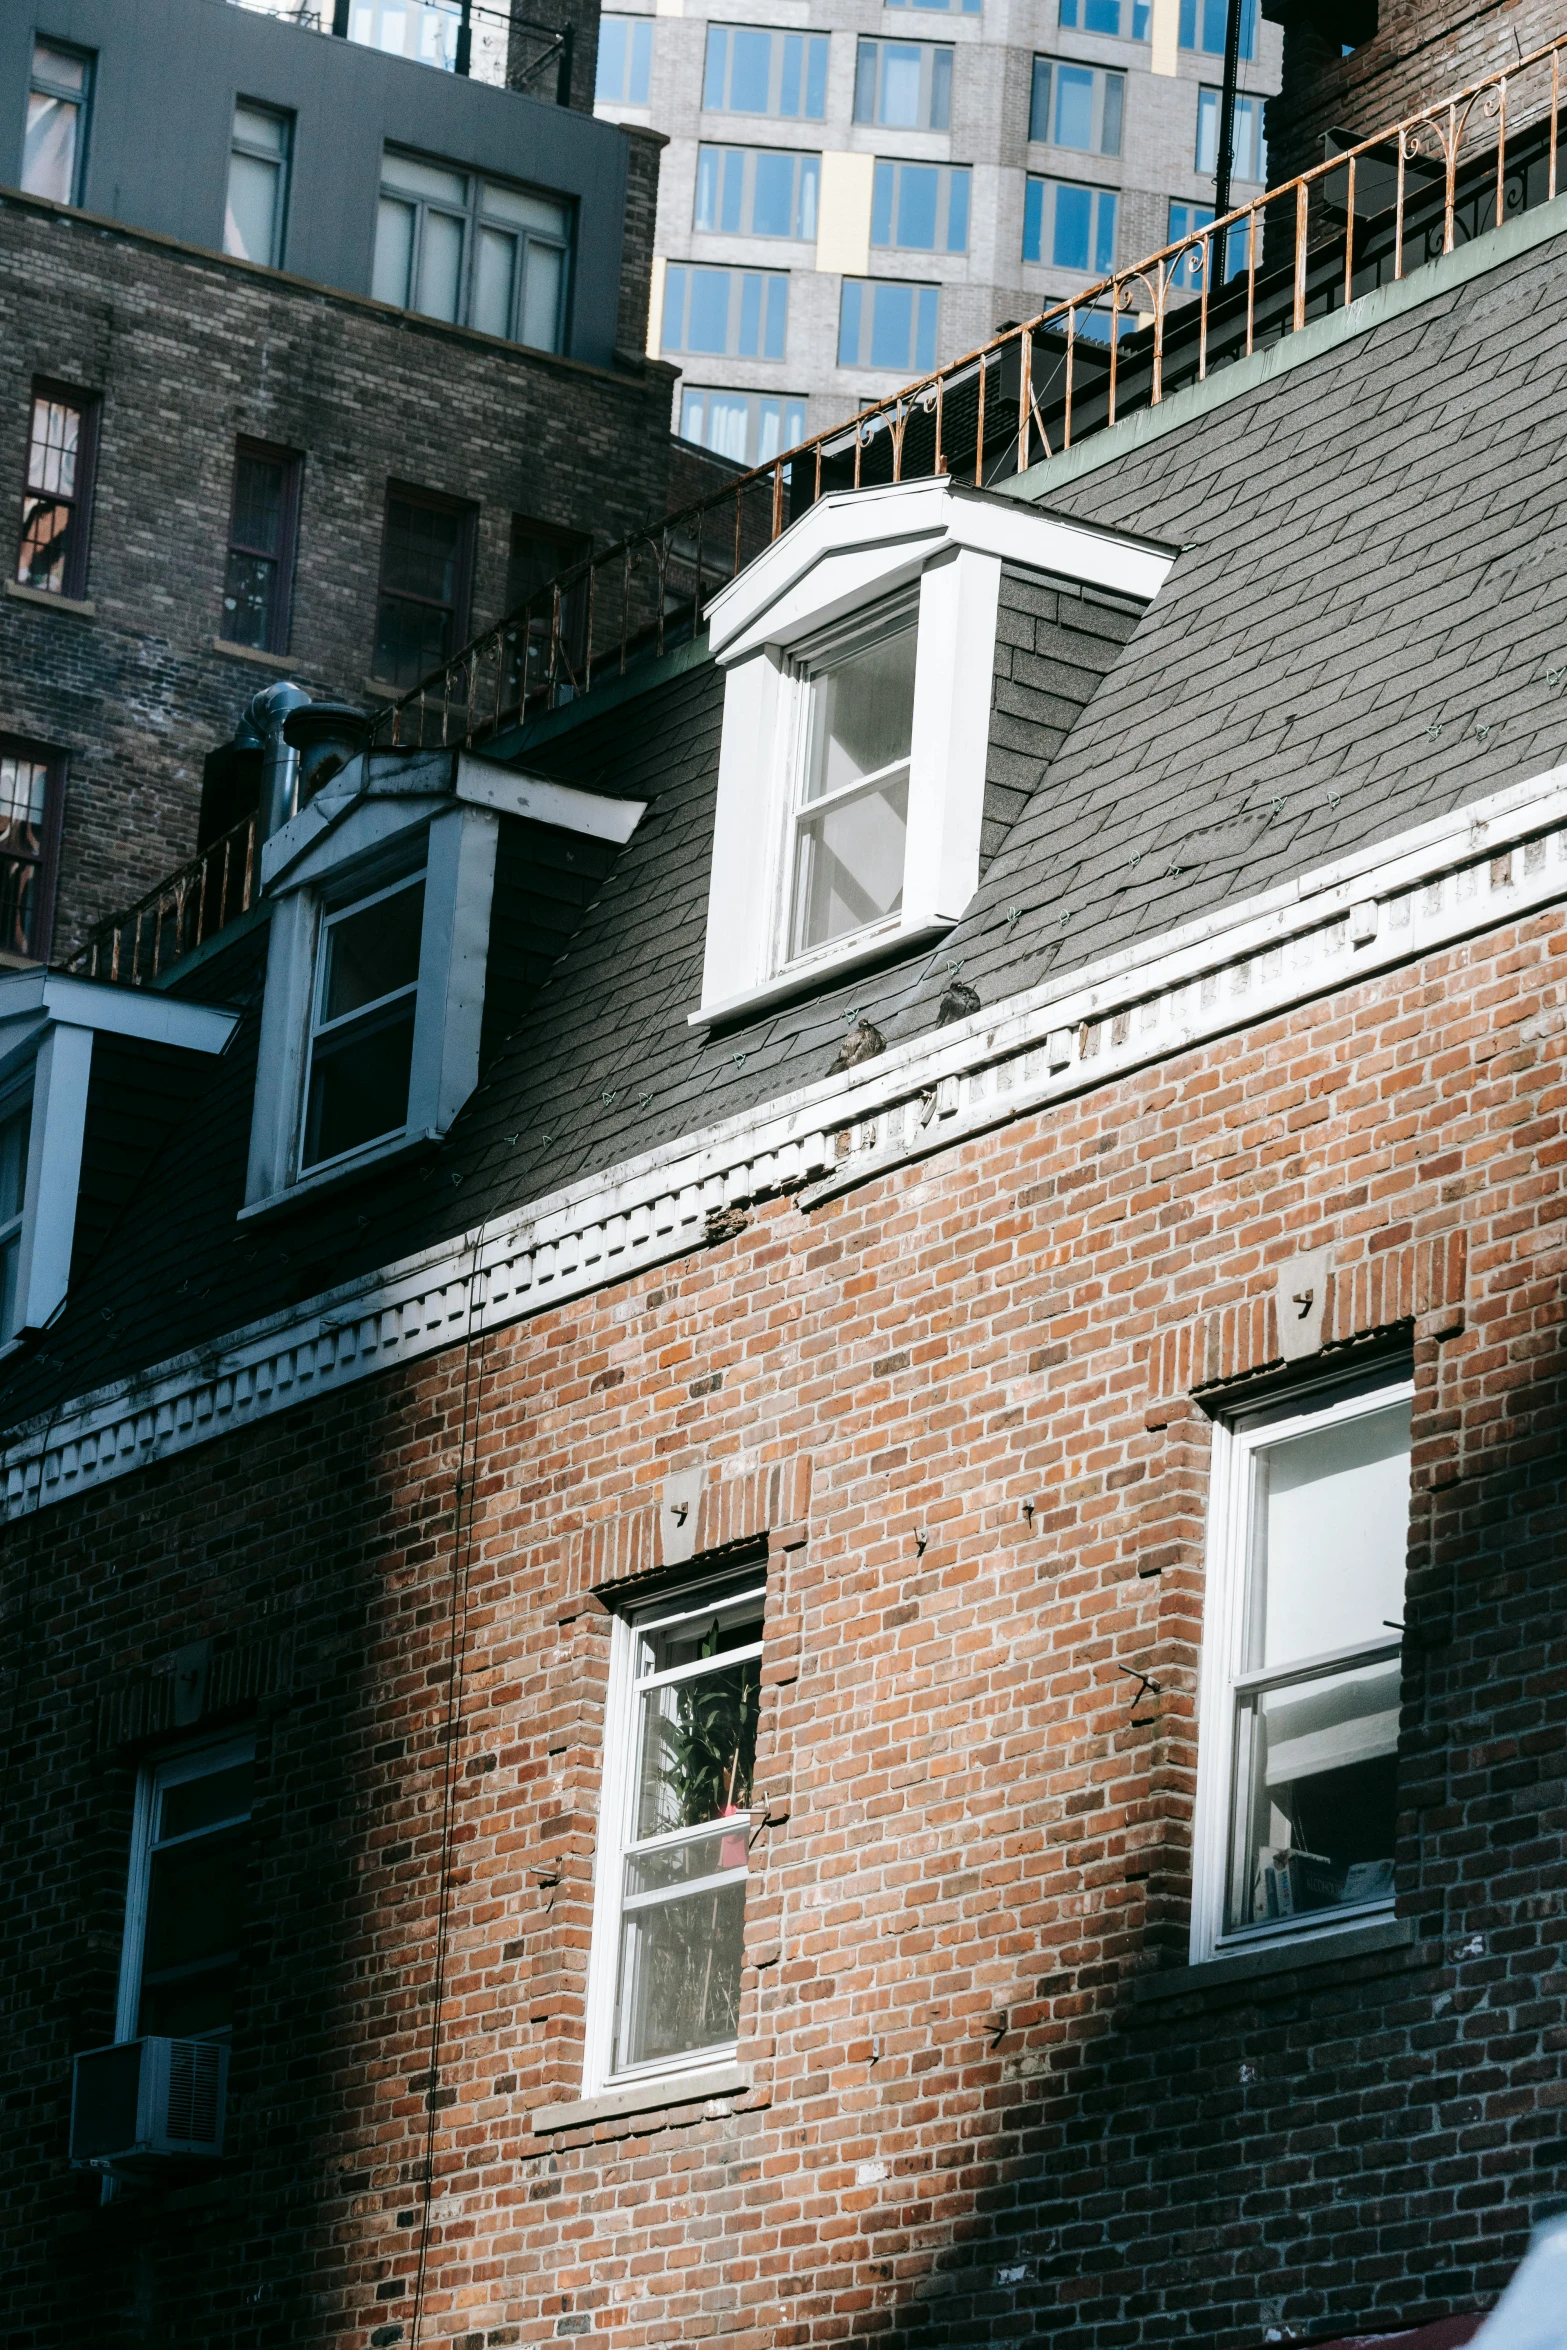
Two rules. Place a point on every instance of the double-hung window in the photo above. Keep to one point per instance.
(625, 61)
(253, 216)
(752, 72)
(1310, 1527)
(1203, 22)
(54, 144)
(903, 85)
(920, 207)
(725, 313)
(951, 7)
(263, 524)
(426, 583)
(1076, 106)
(471, 251)
(851, 814)
(362, 1021)
(757, 191)
(677, 1817)
(1121, 19)
(1068, 226)
(57, 499)
(1250, 160)
(185, 1911)
(31, 793)
(16, 1126)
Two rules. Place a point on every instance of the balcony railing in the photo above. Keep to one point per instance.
(135, 948)
(1357, 220)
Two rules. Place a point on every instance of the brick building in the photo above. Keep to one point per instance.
(281, 462)
(809, 1592)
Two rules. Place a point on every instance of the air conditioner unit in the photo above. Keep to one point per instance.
(143, 2104)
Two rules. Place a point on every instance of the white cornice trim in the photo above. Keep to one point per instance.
(1488, 864)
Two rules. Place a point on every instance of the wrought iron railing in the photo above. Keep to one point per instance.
(218, 885)
(1403, 196)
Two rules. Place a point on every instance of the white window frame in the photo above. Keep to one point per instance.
(42, 84)
(332, 916)
(279, 160)
(850, 552)
(362, 832)
(1223, 1677)
(166, 1770)
(616, 1844)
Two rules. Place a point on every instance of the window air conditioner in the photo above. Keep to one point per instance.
(145, 2103)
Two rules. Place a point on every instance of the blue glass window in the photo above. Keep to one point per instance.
(888, 326)
(625, 60)
(778, 74)
(725, 313)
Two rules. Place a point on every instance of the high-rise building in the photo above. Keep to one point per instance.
(854, 193)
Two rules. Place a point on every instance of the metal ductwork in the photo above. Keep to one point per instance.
(266, 715)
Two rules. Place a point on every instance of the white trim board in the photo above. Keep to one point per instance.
(1485, 865)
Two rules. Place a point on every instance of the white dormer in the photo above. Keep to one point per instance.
(860, 649)
(48, 1027)
(383, 890)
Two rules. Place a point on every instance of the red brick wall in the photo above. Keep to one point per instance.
(970, 2121)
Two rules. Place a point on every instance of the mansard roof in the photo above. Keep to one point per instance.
(1365, 629)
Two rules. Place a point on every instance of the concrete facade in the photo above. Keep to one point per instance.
(992, 67)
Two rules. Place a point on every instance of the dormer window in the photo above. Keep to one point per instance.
(852, 826)
(362, 1032)
(860, 651)
(383, 995)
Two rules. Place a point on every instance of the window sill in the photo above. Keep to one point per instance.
(309, 1187)
(82, 606)
(232, 652)
(1331, 1947)
(714, 2080)
(824, 974)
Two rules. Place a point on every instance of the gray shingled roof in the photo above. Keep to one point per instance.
(1366, 626)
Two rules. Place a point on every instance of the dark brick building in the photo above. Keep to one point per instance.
(810, 1593)
(268, 453)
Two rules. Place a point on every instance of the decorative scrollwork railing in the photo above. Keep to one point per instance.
(136, 947)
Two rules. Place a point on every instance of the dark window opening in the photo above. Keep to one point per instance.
(31, 798)
(263, 531)
(426, 584)
(539, 554)
(57, 498)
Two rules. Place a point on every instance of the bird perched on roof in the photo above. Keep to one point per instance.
(958, 1000)
(862, 1043)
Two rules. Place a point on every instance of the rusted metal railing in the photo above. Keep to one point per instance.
(1403, 196)
(132, 949)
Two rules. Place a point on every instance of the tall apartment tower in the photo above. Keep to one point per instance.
(854, 192)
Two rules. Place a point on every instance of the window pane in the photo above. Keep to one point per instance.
(372, 953)
(709, 326)
(249, 600)
(524, 209)
(186, 1806)
(717, 68)
(493, 279)
(850, 866)
(610, 78)
(45, 548)
(394, 249)
(14, 1136)
(1074, 220)
(917, 191)
(1110, 134)
(49, 147)
(892, 326)
(250, 220)
(696, 1748)
(359, 1083)
(195, 1901)
(542, 290)
(816, 77)
(1074, 125)
(862, 714)
(641, 62)
(1333, 1535)
(900, 87)
(258, 126)
(750, 68)
(772, 204)
(53, 448)
(1319, 1778)
(440, 267)
(423, 549)
(1039, 103)
(957, 212)
(406, 176)
(1207, 130)
(680, 1975)
(258, 503)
